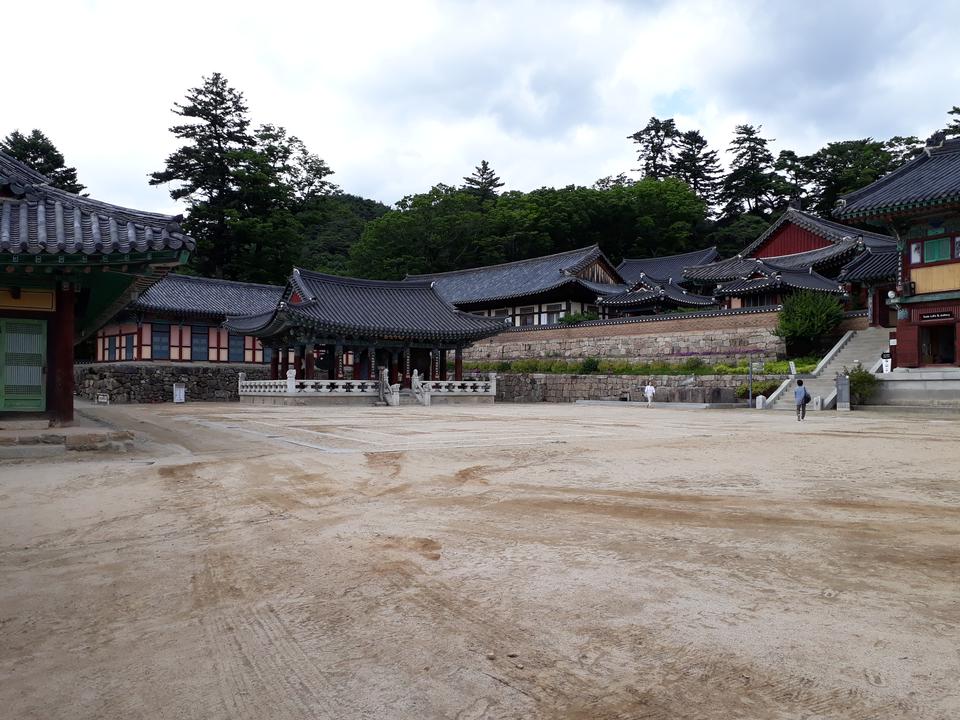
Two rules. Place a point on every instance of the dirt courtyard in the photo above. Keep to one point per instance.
(508, 561)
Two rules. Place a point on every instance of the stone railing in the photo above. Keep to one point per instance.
(293, 386)
(424, 390)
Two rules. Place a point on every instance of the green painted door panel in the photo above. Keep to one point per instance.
(23, 359)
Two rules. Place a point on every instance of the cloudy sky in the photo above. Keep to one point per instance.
(398, 96)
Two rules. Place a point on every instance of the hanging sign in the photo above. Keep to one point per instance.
(946, 315)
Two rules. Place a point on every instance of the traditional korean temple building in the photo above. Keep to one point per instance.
(919, 203)
(181, 319)
(537, 291)
(344, 328)
(798, 251)
(70, 264)
(656, 285)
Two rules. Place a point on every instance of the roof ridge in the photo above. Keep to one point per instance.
(217, 281)
(361, 282)
(669, 257)
(595, 246)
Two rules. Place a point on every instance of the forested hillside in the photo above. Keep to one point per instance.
(259, 201)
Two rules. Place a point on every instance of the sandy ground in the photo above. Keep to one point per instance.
(538, 561)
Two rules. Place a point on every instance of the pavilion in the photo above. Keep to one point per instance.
(70, 264)
(341, 328)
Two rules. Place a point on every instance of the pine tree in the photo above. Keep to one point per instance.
(39, 152)
(751, 185)
(697, 166)
(953, 128)
(483, 183)
(205, 168)
(656, 150)
(903, 149)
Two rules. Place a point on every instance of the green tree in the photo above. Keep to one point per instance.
(205, 169)
(697, 166)
(39, 152)
(953, 126)
(843, 167)
(483, 183)
(808, 321)
(245, 190)
(903, 149)
(751, 185)
(730, 235)
(331, 224)
(656, 147)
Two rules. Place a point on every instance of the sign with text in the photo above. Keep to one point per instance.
(946, 315)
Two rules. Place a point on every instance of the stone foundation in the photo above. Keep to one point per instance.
(537, 387)
(152, 382)
(716, 339)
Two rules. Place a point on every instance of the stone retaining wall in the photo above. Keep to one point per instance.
(720, 339)
(151, 382)
(521, 387)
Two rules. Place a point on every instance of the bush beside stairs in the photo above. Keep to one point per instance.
(863, 346)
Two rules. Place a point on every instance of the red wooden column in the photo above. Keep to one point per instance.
(298, 361)
(284, 361)
(274, 363)
(458, 364)
(443, 364)
(61, 402)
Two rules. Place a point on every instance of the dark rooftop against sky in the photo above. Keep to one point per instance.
(399, 96)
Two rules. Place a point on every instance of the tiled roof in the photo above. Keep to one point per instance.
(207, 297)
(368, 308)
(871, 265)
(827, 229)
(38, 218)
(648, 293)
(931, 179)
(518, 279)
(665, 267)
(738, 267)
(777, 278)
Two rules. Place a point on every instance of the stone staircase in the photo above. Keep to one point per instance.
(863, 346)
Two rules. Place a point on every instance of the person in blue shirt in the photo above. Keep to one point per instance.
(800, 396)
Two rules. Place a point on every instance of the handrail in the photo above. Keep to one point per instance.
(834, 351)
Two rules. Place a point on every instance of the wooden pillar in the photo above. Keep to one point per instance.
(338, 362)
(458, 363)
(298, 361)
(443, 364)
(61, 405)
(393, 363)
(274, 362)
(308, 360)
(371, 373)
(284, 361)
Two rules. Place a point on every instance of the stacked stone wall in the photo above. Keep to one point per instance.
(535, 387)
(718, 339)
(152, 382)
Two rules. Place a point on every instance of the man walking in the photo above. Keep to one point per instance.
(649, 391)
(801, 397)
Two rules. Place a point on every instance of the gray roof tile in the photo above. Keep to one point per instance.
(518, 279)
(665, 267)
(207, 297)
(38, 218)
(929, 180)
(369, 308)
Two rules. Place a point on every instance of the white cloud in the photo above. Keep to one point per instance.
(399, 96)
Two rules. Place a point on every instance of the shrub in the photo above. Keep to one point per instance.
(765, 388)
(693, 365)
(575, 318)
(863, 384)
(808, 318)
(588, 366)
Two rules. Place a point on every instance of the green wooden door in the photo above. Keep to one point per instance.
(23, 356)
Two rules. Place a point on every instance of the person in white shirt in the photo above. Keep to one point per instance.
(649, 391)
